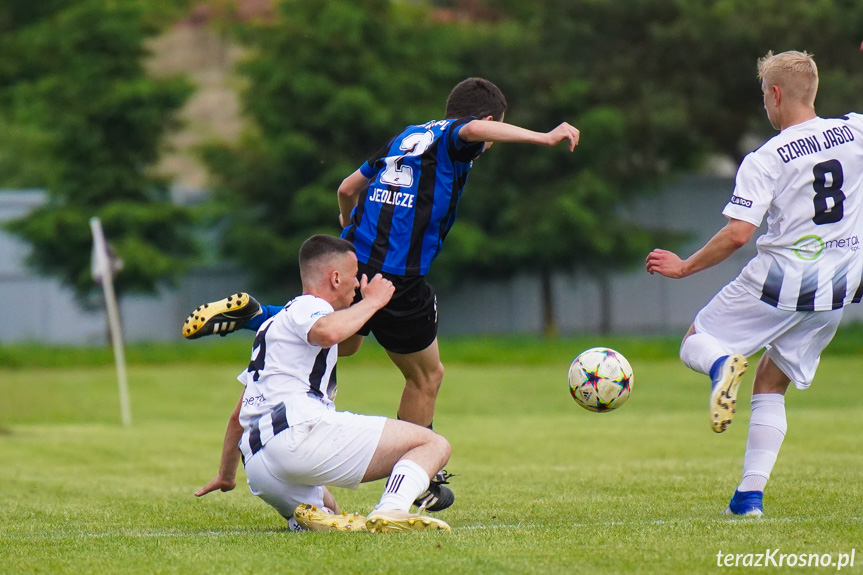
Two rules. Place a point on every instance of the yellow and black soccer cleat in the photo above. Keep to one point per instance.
(221, 317)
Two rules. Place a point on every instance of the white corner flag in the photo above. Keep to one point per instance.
(103, 267)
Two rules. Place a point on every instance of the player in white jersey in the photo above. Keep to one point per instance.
(292, 441)
(808, 181)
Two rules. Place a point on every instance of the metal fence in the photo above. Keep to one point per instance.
(39, 309)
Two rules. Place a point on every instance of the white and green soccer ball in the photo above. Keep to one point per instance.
(600, 379)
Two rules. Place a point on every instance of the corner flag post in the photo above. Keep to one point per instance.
(103, 273)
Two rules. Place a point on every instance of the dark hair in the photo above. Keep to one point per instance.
(321, 246)
(476, 97)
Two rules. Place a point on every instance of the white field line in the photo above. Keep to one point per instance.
(494, 526)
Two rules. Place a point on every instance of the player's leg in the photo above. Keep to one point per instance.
(402, 440)
(731, 327)
(410, 455)
(793, 355)
(287, 497)
(423, 373)
(343, 449)
(294, 467)
(767, 428)
(703, 353)
(407, 330)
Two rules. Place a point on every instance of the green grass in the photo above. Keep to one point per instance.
(543, 486)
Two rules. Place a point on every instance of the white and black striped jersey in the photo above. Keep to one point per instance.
(289, 380)
(808, 180)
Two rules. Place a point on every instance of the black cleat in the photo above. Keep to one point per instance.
(437, 497)
(221, 317)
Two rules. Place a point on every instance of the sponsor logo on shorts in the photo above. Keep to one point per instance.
(741, 201)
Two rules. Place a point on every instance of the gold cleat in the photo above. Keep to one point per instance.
(723, 398)
(315, 519)
(221, 317)
(394, 521)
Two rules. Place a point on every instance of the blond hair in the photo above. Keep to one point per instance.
(794, 72)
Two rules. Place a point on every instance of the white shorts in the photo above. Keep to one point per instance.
(744, 324)
(293, 466)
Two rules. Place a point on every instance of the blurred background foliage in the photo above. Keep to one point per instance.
(82, 119)
(656, 87)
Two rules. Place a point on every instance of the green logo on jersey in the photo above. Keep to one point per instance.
(808, 248)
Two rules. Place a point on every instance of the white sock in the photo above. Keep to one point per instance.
(407, 481)
(766, 431)
(700, 351)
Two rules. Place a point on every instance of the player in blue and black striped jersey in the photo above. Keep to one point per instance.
(397, 209)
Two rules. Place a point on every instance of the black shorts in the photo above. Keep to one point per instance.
(408, 323)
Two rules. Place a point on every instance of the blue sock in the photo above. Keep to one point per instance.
(716, 367)
(267, 311)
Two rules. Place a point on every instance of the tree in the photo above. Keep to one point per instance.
(546, 211)
(83, 120)
(655, 86)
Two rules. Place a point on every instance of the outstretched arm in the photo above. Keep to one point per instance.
(492, 131)
(728, 240)
(226, 479)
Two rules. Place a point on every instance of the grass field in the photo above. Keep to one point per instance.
(543, 486)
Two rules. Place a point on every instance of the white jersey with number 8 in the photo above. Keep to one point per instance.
(809, 182)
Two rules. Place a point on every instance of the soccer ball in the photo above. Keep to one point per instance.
(600, 379)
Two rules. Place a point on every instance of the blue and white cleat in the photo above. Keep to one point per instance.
(746, 504)
(726, 373)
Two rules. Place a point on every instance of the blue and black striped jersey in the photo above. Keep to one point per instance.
(416, 181)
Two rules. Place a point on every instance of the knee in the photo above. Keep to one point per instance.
(430, 380)
(437, 374)
(443, 447)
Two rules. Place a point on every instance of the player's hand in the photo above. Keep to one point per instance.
(216, 483)
(379, 289)
(564, 132)
(666, 263)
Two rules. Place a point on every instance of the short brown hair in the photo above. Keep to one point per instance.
(794, 72)
(322, 246)
(476, 97)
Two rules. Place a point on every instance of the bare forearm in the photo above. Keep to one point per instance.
(226, 478)
(342, 324)
(491, 131)
(717, 250)
(720, 247)
(230, 450)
